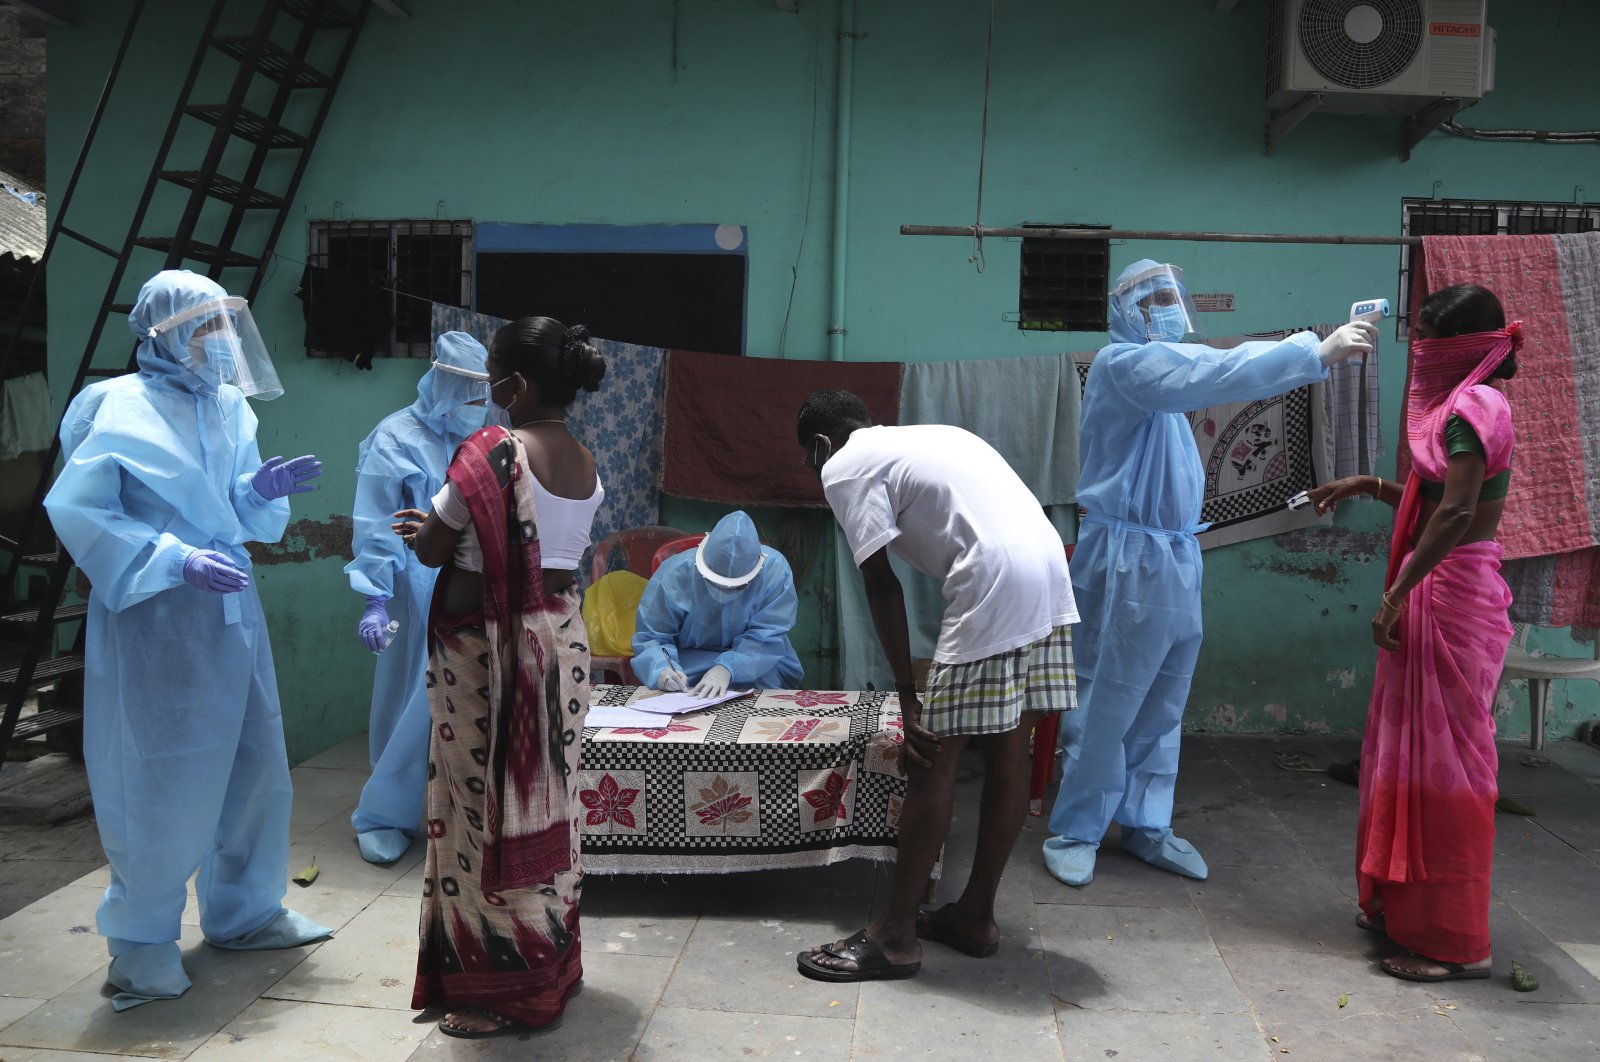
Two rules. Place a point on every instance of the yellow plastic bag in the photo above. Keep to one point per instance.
(609, 607)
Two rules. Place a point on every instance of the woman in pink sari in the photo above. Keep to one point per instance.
(1425, 839)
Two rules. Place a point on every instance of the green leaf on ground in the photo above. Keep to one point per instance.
(1522, 980)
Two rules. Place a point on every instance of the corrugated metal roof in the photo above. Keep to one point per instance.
(22, 226)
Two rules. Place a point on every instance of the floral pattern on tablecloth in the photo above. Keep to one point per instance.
(773, 779)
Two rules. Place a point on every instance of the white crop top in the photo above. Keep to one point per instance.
(564, 526)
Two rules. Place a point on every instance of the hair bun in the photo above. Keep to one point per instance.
(582, 364)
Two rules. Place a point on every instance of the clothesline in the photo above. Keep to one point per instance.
(1068, 233)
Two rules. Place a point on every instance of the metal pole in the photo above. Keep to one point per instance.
(970, 231)
(841, 175)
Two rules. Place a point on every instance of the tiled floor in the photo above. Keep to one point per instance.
(1251, 964)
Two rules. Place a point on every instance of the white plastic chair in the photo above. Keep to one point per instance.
(1539, 670)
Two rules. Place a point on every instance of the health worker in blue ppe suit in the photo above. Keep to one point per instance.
(718, 617)
(1136, 569)
(402, 465)
(183, 740)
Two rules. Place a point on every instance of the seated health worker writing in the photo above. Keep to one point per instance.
(719, 616)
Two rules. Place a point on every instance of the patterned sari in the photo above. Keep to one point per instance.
(1425, 839)
(508, 689)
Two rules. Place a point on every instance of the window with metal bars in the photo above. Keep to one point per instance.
(1063, 283)
(1478, 217)
(418, 263)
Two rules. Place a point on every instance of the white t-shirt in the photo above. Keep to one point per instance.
(946, 502)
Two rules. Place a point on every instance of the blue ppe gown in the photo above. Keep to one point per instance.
(182, 737)
(1136, 573)
(401, 465)
(682, 624)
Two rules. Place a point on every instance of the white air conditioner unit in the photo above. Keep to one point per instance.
(1377, 56)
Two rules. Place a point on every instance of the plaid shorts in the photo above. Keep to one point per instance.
(988, 696)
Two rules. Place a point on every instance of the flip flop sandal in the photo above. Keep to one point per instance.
(1453, 972)
(1372, 925)
(871, 963)
(503, 1026)
(928, 929)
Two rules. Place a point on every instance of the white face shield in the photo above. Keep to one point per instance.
(1156, 304)
(474, 385)
(218, 343)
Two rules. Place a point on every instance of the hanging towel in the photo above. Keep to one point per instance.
(1352, 422)
(1551, 526)
(1026, 408)
(729, 424)
(1256, 455)
(479, 326)
(621, 426)
(345, 316)
(26, 420)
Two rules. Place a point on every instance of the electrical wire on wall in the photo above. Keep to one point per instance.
(811, 179)
(1538, 136)
(983, 145)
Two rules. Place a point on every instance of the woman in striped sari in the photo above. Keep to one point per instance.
(508, 690)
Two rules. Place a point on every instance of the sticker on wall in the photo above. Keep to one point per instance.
(1214, 302)
(729, 237)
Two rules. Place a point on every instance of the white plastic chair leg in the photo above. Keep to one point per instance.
(1538, 701)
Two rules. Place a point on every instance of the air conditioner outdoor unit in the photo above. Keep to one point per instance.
(1377, 56)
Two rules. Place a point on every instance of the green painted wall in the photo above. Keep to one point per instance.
(620, 112)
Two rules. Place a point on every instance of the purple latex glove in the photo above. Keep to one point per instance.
(209, 570)
(277, 478)
(373, 621)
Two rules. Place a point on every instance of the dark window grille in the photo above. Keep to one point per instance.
(419, 262)
(1477, 217)
(1063, 283)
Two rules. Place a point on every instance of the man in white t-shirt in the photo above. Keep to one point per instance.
(942, 500)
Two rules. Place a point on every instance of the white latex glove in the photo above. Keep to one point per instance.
(1348, 341)
(671, 681)
(713, 683)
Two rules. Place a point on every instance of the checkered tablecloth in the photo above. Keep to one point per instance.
(781, 778)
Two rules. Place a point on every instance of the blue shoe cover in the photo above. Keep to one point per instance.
(289, 929)
(384, 845)
(1070, 861)
(145, 972)
(1161, 849)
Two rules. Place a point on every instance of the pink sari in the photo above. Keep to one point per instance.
(1425, 840)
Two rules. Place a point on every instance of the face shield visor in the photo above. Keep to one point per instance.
(725, 588)
(1156, 304)
(466, 392)
(218, 343)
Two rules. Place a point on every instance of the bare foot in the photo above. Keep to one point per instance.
(1413, 967)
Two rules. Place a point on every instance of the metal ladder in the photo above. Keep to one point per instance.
(273, 62)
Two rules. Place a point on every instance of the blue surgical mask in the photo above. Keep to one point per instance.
(467, 419)
(1168, 324)
(213, 360)
(723, 595)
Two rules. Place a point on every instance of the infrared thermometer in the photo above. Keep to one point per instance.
(1369, 310)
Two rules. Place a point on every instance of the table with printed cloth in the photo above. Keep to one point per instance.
(778, 778)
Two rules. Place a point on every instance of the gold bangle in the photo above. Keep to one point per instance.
(1390, 604)
(1377, 491)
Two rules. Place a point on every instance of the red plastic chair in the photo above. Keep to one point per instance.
(632, 549)
(672, 549)
(1045, 736)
